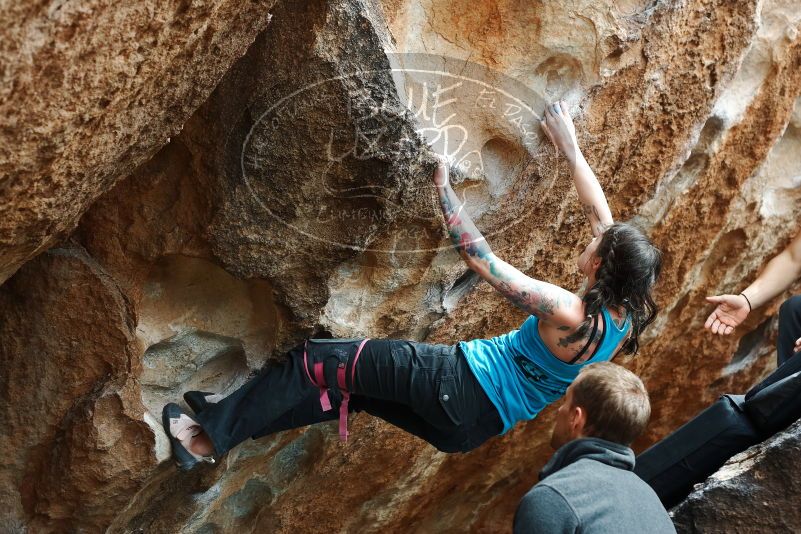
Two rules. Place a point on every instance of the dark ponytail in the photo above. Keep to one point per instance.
(630, 265)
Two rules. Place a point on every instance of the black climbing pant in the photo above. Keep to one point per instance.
(789, 328)
(425, 389)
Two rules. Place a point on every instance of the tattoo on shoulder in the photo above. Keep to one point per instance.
(581, 334)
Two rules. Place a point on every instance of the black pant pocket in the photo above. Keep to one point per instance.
(448, 399)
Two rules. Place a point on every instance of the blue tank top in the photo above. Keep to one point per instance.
(521, 376)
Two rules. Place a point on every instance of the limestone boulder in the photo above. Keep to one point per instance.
(755, 491)
(92, 89)
(74, 440)
(297, 197)
(316, 154)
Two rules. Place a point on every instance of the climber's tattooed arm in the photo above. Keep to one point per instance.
(592, 197)
(558, 126)
(595, 219)
(464, 234)
(542, 299)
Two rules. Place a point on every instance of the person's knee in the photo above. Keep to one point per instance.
(790, 308)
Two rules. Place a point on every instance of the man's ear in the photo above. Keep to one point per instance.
(578, 422)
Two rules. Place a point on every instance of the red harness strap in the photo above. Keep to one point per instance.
(319, 381)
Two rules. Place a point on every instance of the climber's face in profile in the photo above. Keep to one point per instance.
(588, 261)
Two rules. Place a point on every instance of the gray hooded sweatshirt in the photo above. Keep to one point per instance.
(588, 487)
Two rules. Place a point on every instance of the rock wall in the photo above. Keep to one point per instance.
(297, 196)
(92, 89)
(755, 491)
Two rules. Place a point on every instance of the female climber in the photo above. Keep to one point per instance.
(453, 396)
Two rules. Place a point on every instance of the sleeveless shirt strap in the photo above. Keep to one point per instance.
(600, 341)
(589, 340)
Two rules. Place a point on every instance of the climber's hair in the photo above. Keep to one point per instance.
(630, 265)
(615, 401)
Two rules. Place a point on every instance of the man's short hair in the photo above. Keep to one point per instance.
(615, 401)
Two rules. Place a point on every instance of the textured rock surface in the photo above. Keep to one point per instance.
(755, 491)
(314, 140)
(75, 445)
(297, 196)
(92, 89)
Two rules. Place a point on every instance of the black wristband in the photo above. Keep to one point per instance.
(748, 301)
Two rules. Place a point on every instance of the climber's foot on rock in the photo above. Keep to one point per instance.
(190, 445)
(200, 400)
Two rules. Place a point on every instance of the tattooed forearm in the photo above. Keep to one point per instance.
(591, 211)
(463, 233)
(591, 195)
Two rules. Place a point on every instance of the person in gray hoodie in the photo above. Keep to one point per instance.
(588, 485)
